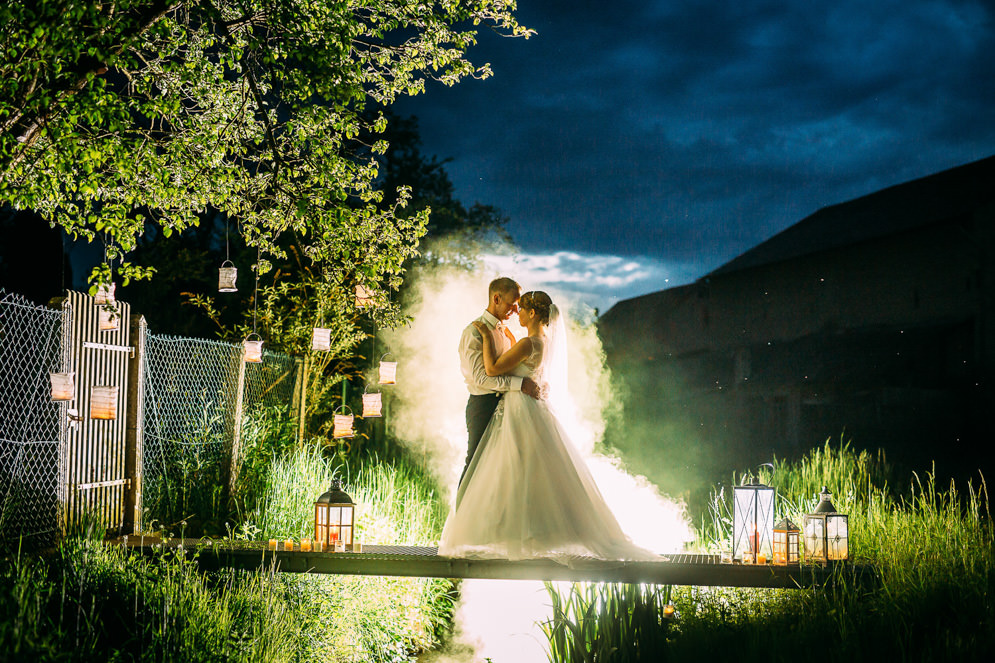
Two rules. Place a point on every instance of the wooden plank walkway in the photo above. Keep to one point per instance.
(680, 569)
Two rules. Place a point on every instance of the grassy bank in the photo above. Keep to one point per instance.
(929, 598)
(93, 602)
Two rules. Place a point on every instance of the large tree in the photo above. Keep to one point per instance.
(124, 117)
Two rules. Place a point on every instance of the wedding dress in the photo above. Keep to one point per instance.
(527, 492)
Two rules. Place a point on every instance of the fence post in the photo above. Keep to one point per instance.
(134, 450)
(236, 438)
(302, 366)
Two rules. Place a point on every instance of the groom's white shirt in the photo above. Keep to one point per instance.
(471, 359)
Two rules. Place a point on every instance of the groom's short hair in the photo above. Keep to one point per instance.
(504, 285)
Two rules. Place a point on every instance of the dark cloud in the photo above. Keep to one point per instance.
(689, 131)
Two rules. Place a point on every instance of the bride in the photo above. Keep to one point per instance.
(527, 492)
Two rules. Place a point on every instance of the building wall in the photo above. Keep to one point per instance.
(888, 342)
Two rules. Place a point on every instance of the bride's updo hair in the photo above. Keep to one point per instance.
(539, 302)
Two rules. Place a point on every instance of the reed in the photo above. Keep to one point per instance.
(927, 596)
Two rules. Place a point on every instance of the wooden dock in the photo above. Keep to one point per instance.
(424, 562)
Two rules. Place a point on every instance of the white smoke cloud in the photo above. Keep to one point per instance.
(499, 619)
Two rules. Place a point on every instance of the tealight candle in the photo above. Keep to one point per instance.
(288, 544)
(305, 545)
(761, 558)
(272, 544)
(357, 546)
(319, 545)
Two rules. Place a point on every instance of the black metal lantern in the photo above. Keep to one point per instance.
(334, 519)
(826, 532)
(786, 546)
(752, 523)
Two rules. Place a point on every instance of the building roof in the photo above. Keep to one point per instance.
(935, 198)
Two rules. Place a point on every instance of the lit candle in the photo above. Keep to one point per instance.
(288, 544)
(272, 544)
(305, 545)
(761, 558)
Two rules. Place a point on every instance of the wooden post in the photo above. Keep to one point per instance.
(134, 447)
(302, 367)
(236, 441)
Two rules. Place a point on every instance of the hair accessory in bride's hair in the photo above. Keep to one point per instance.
(538, 301)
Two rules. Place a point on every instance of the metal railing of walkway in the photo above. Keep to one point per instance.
(424, 562)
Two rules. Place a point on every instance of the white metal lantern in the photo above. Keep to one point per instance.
(387, 370)
(364, 297)
(107, 318)
(334, 519)
(786, 547)
(227, 274)
(103, 402)
(63, 386)
(104, 295)
(252, 349)
(321, 339)
(826, 532)
(372, 404)
(753, 523)
(342, 423)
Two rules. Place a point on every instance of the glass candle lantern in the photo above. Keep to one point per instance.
(103, 402)
(826, 532)
(364, 298)
(752, 522)
(387, 370)
(786, 544)
(334, 519)
(107, 318)
(104, 295)
(63, 386)
(372, 404)
(227, 275)
(342, 420)
(252, 349)
(321, 339)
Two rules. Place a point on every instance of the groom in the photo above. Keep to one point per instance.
(485, 391)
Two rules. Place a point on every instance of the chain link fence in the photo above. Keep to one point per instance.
(200, 399)
(32, 345)
(192, 417)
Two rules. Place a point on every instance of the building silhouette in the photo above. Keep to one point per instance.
(872, 320)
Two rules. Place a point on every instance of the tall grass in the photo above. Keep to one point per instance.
(90, 601)
(611, 622)
(376, 618)
(927, 597)
(93, 602)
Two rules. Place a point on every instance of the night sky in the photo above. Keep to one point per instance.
(639, 145)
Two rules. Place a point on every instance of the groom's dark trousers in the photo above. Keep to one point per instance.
(479, 410)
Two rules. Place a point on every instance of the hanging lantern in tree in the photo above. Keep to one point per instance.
(826, 532)
(252, 349)
(334, 517)
(227, 274)
(342, 423)
(387, 370)
(372, 404)
(786, 543)
(752, 522)
(104, 295)
(63, 386)
(107, 318)
(103, 402)
(321, 339)
(364, 298)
